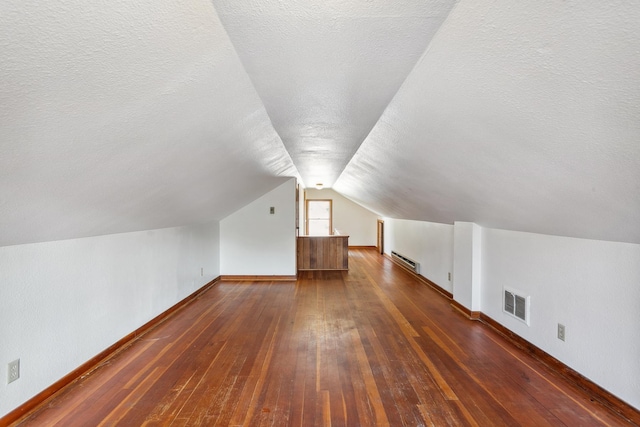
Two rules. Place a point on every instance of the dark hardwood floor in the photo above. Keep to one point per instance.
(368, 347)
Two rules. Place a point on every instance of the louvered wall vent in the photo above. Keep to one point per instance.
(515, 304)
(408, 262)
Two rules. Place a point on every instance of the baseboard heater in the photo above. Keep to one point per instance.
(408, 262)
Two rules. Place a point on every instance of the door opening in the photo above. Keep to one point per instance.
(380, 244)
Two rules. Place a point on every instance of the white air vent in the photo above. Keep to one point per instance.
(408, 262)
(515, 304)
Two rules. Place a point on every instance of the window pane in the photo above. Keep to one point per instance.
(319, 209)
(319, 227)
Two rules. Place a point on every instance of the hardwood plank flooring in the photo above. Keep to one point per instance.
(369, 347)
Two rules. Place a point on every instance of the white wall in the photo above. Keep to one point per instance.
(592, 287)
(428, 243)
(254, 242)
(351, 219)
(63, 302)
(467, 267)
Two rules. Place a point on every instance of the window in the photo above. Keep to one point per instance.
(319, 220)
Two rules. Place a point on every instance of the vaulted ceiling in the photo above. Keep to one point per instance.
(121, 116)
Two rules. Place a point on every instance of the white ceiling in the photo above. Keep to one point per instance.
(120, 116)
(519, 116)
(326, 70)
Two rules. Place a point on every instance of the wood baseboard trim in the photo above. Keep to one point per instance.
(471, 315)
(605, 398)
(230, 278)
(423, 279)
(97, 360)
(362, 247)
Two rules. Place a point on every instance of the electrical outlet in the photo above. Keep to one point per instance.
(449, 276)
(561, 332)
(14, 371)
(201, 271)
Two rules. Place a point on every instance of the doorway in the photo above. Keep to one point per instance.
(380, 241)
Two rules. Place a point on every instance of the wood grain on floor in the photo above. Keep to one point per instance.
(369, 347)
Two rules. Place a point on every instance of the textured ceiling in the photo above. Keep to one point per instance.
(123, 116)
(524, 117)
(326, 70)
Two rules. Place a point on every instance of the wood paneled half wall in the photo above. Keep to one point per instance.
(323, 252)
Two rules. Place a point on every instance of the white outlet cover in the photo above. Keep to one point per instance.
(13, 371)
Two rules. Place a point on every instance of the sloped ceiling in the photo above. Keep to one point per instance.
(519, 116)
(326, 70)
(120, 116)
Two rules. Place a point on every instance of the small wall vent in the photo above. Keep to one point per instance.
(516, 305)
(408, 262)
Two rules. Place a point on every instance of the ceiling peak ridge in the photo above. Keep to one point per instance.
(418, 62)
(297, 174)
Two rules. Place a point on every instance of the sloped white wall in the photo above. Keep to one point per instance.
(254, 242)
(63, 302)
(592, 287)
(349, 218)
(428, 243)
